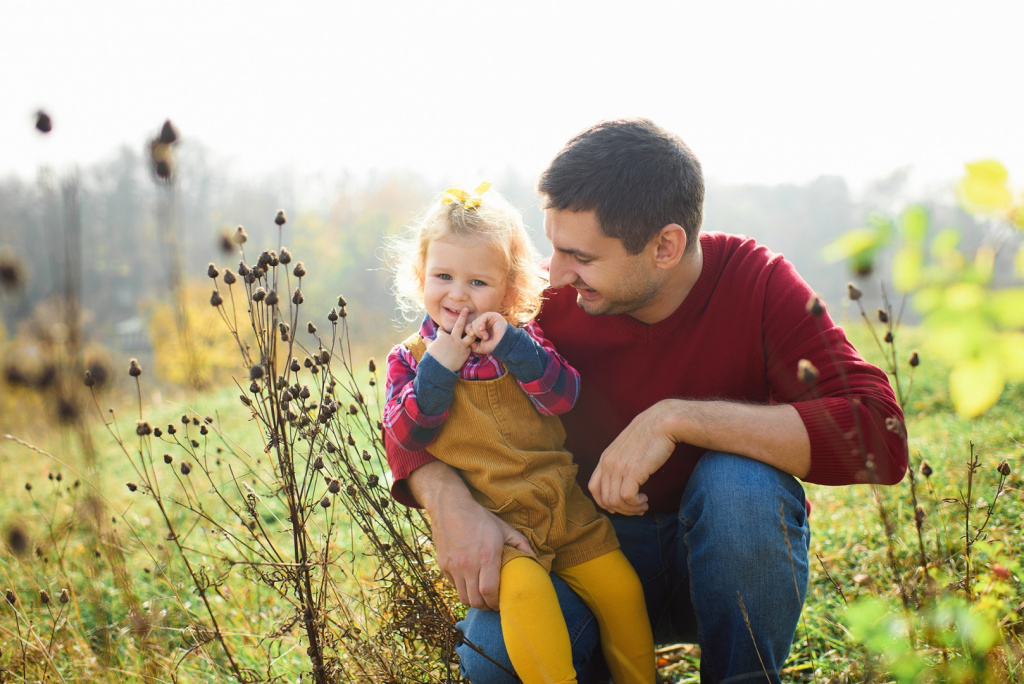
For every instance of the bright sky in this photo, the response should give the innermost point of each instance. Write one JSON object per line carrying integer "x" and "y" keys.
{"x": 762, "y": 91}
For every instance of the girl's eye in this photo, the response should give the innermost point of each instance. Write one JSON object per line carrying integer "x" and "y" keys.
{"x": 479, "y": 283}
{"x": 444, "y": 276}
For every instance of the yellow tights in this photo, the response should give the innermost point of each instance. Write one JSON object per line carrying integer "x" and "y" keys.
{"x": 535, "y": 632}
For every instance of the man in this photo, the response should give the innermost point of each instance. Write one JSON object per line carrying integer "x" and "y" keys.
{"x": 711, "y": 380}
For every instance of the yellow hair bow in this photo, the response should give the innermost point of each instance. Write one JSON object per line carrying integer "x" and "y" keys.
{"x": 469, "y": 200}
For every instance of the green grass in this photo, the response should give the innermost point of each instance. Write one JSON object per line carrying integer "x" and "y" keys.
{"x": 131, "y": 603}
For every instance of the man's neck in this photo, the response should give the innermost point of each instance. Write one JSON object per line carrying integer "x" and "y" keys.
{"x": 674, "y": 290}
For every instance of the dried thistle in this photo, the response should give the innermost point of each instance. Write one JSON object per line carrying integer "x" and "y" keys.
{"x": 883, "y": 316}
{"x": 815, "y": 307}
{"x": 853, "y": 292}
{"x": 215, "y": 299}
{"x": 926, "y": 469}
{"x": 915, "y": 359}
{"x": 280, "y": 218}
{"x": 1004, "y": 469}
{"x": 44, "y": 124}
{"x": 229, "y": 277}
{"x": 212, "y": 271}
{"x": 807, "y": 372}
{"x": 240, "y": 238}
{"x": 64, "y": 595}
{"x": 134, "y": 368}
{"x": 44, "y": 597}
{"x": 12, "y": 598}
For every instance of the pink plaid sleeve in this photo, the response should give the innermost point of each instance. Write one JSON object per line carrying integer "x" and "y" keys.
{"x": 403, "y": 421}
{"x": 556, "y": 390}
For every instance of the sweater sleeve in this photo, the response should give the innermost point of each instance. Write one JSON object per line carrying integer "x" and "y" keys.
{"x": 417, "y": 399}
{"x": 547, "y": 379}
{"x": 850, "y": 412}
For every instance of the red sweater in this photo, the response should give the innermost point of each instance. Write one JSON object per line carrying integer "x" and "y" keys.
{"x": 739, "y": 335}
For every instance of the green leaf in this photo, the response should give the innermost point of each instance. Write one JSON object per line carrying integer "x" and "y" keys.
{"x": 948, "y": 240}
{"x": 975, "y": 385}
{"x": 914, "y": 223}
{"x": 984, "y": 188}
{"x": 907, "y": 268}
{"x": 852, "y": 243}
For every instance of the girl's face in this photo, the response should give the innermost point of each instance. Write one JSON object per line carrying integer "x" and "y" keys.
{"x": 463, "y": 273}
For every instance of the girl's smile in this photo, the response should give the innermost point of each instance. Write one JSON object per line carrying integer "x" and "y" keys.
{"x": 463, "y": 273}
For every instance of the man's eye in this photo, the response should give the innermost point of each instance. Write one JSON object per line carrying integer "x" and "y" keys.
{"x": 580, "y": 260}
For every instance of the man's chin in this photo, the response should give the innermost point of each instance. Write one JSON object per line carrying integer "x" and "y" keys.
{"x": 594, "y": 307}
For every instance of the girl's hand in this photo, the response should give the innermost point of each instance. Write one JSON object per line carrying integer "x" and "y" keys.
{"x": 488, "y": 329}
{"x": 452, "y": 350}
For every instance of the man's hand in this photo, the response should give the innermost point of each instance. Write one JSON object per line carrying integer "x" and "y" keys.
{"x": 488, "y": 328}
{"x": 468, "y": 539}
{"x": 452, "y": 349}
{"x": 634, "y": 456}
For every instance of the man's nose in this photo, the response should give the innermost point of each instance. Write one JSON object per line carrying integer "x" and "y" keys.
{"x": 558, "y": 273}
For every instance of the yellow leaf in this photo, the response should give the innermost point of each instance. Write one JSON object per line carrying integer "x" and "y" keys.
{"x": 976, "y": 385}
{"x": 984, "y": 188}
{"x": 851, "y": 244}
{"x": 1011, "y": 350}
{"x": 907, "y": 267}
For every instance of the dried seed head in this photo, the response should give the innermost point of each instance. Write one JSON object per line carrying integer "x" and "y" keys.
{"x": 134, "y": 369}
{"x": 351, "y": 490}
{"x": 341, "y": 302}
{"x": 806, "y": 371}
{"x": 318, "y": 463}
{"x": 366, "y": 455}
{"x": 815, "y": 307}
{"x": 28, "y": 486}
{"x": 295, "y": 366}
{"x": 168, "y": 459}
{"x": 325, "y": 502}
{"x": 12, "y": 598}
{"x": 297, "y": 297}
{"x": 919, "y": 515}
{"x": 888, "y": 337}
{"x": 239, "y": 238}
{"x": 256, "y": 371}
{"x": 64, "y": 596}
{"x": 274, "y": 261}
{"x": 333, "y": 315}
{"x": 272, "y": 298}
{"x": 203, "y": 430}
{"x": 157, "y": 432}
{"x": 285, "y": 257}
{"x": 185, "y": 468}
{"x": 853, "y": 292}
{"x": 372, "y": 480}
{"x": 44, "y": 124}
{"x": 245, "y": 400}
{"x": 883, "y": 316}
{"x": 168, "y": 133}
{"x": 304, "y": 392}
{"x": 335, "y": 486}
{"x": 195, "y": 444}
{"x": 89, "y": 380}
{"x": 915, "y": 359}
{"x": 259, "y": 295}
{"x": 926, "y": 469}
{"x": 243, "y": 269}
{"x": 12, "y": 274}
{"x": 143, "y": 428}
{"x": 131, "y": 486}
{"x": 1004, "y": 469}
{"x": 280, "y": 218}
{"x": 330, "y": 447}
{"x": 373, "y": 366}
{"x": 212, "y": 271}
{"x": 299, "y": 270}
{"x": 258, "y": 272}
{"x": 18, "y": 540}
{"x": 325, "y": 356}
{"x": 44, "y": 597}
{"x": 264, "y": 259}
{"x": 229, "y": 277}
{"x": 171, "y": 429}
{"x": 215, "y": 299}
{"x": 254, "y": 387}
{"x": 350, "y": 439}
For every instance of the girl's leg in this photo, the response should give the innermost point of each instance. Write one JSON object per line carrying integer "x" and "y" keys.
{"x": 531, "y": 621}
{"x": 609, "y": 585}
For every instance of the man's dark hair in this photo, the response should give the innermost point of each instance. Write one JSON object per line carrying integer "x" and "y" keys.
{"x": 636, "y": 176}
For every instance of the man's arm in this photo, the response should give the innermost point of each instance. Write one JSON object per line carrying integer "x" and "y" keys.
{"x": 468, "y": 538}
{"x": 771, "y": 434}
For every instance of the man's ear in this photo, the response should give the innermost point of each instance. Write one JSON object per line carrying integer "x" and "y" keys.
{"x": 670, "y": 245}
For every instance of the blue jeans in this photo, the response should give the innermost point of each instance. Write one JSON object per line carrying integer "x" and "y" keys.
{"x": 729, "y": 572}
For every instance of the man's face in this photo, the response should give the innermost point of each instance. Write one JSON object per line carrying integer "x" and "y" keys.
{"x": 607, "y": 278}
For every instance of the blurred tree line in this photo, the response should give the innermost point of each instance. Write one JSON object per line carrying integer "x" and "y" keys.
{"x": 337, "y": 230}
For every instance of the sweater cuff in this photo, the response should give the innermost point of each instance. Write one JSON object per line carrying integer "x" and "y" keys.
{"x": 434, "y": 386}
{"x": 522, "y": 356}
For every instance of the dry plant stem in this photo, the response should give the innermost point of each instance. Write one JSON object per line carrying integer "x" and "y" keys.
{"x": 919, "y": 526}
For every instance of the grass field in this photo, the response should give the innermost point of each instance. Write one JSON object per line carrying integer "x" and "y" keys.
{"x": 94, "y": 555}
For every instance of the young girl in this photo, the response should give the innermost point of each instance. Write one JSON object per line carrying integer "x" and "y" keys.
{"x": 480, "y": 388}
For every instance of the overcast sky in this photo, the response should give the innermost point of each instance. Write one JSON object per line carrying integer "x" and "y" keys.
{"x": 767, "y": 91}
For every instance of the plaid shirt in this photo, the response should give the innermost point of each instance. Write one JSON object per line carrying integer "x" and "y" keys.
{"x": 554, "y": 392}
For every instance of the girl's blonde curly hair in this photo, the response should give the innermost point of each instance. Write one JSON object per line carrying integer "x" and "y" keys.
{"x": 493, "y": 219}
